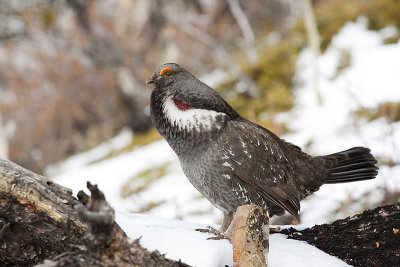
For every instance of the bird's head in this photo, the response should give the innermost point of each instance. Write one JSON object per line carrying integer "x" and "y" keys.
{"x": 173, "y": 82}
{"x": 167, "y": 74}
{"x": 184, "y": 108}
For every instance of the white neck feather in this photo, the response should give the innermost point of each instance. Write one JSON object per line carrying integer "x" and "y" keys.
{"x": 191, "y": 119}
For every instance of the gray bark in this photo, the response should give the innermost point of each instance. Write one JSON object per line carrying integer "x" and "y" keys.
{"x": 41, "y": 222}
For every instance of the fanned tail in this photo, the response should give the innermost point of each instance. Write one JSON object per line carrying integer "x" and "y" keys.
{"x": 354, "y": 164}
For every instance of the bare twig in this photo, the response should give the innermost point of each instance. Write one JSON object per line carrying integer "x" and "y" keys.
{"x": 313, "y": 41}
{"x": 3, "y": 140}
{"x": 245, "y": 27}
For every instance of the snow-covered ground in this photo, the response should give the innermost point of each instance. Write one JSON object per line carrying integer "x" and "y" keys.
{"x": 330, "y": 126}
{"x": 371, "y": 79}
{"x": 179, "y": 240}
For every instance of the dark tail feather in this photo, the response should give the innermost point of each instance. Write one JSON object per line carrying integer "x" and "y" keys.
{"x": 354, "y": 164}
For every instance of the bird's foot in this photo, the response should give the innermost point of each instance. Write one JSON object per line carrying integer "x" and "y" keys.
{"x": 274, "y": 229}
{"x": 210, "y": 230}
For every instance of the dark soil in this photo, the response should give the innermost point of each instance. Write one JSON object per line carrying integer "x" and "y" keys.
{"x": 368, "y": 239}
{"x": 28, "y": 236}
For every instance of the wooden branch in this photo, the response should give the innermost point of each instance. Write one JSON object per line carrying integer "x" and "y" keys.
{"x": 42, "y": 221}
{"x": 313, "y": 43}
{"x": 245, "y": 27}
{"x": 250, "y": 236}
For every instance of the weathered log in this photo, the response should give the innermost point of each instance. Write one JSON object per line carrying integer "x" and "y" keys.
{"x": 40, "y": 220}
{"x": 35, "y": 215}
{"x": 371, "y": 238}
{"x": 250, "y": 236}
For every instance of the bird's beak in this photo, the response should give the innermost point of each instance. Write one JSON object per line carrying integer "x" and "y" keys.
{"x": 149, "y": 81}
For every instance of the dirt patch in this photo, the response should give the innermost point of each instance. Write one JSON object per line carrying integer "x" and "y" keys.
{"x": 368, "y": 239}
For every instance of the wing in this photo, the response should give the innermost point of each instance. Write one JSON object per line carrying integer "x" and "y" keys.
{"x": 255, "y": 157}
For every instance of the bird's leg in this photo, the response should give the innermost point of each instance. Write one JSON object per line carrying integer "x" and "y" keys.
{"x": 227, "y": 234}
{"x": 226, "y": 222}
{"x": 225, "y": 231}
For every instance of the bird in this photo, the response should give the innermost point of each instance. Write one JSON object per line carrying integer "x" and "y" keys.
{"x": 232, "y": 161}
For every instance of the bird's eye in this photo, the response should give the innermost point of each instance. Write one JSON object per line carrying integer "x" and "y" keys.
{"x": 166, "y": 71}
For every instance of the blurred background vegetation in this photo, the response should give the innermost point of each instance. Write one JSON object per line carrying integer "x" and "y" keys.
{"x": 72, "y": 72}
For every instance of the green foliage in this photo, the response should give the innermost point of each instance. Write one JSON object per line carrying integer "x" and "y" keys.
{"x": 272, "y": 77}
{"x": 332, "y": 16}
{"x": 387, "y": 110}
{"x": 149, "y": 206}
{"x": 143, "y": 180}
{"x": 381, "y": 13}
{"x": 273, "y": 72}
{"x": 48, "y": 16}
{"x": 141, "y": 139}
{"x": 344, "y": 62}
{"x": 392, "y": 40}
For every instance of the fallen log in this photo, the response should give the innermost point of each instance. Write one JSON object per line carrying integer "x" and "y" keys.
{"x": 40, "y": 221}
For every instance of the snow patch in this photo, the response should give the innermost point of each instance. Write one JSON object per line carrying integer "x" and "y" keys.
{"x": 178, "y": 240}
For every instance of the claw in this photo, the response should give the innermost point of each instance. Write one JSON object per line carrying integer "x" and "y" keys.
{"x": 274, "y": 229}
{"x": 219, "y": 237}
{"x": 210, "y": 230}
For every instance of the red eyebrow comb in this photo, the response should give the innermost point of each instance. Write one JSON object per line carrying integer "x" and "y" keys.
{"x": 164, "y": 70}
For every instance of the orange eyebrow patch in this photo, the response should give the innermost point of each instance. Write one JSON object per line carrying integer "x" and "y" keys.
{"x": 164, "y": 70}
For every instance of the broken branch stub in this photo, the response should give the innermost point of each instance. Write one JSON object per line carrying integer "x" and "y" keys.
{"x": 250, "y": 236}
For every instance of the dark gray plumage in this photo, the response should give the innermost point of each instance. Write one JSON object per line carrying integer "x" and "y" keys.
{"x": 233, "y": 161}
